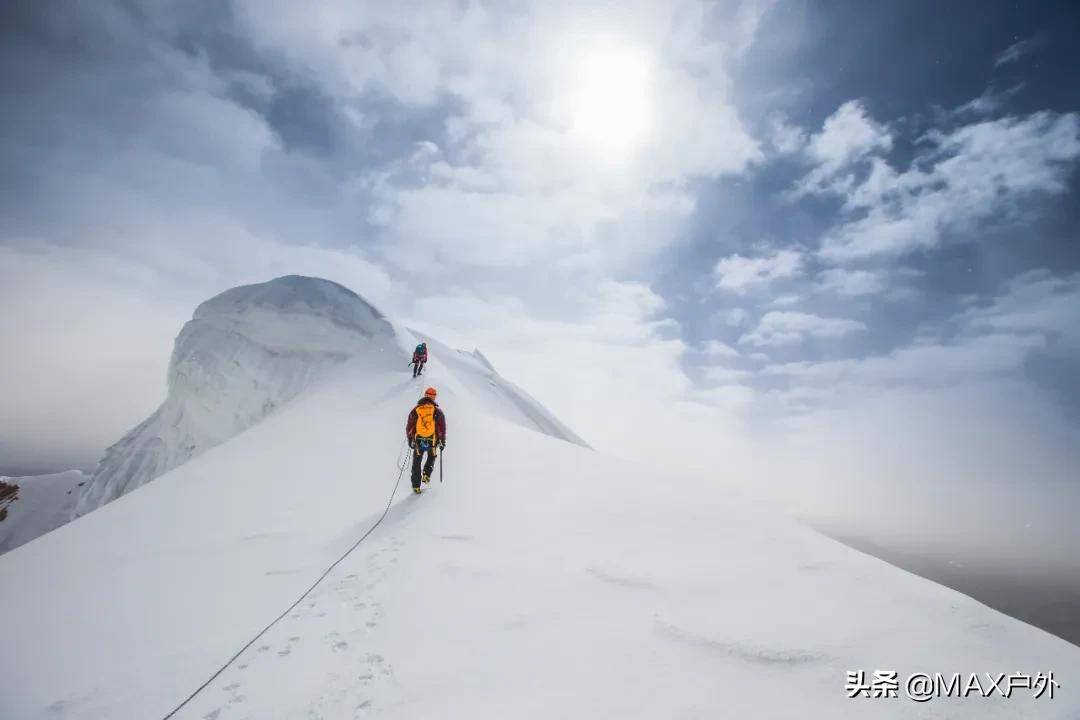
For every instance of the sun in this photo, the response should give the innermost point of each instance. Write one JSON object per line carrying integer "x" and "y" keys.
{"x": 610, "y": 104}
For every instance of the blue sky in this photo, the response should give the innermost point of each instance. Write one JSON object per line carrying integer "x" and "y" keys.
{"x": 686, "y": 228}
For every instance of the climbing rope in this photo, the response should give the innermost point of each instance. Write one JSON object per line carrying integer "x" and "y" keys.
{"x": 403, "y": 461}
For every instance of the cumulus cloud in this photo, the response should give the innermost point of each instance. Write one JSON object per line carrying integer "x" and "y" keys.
{"x": 852, "y": 282}
{"x": 967, "y": 176}
{"x": 740, "y": 274}
{"x": 715, "y": 348}
{"x": 785, "y": 137}
{"x": 848, "y": 136}
{"x": 780, "y": 328}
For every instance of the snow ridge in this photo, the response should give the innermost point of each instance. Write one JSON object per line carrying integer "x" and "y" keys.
{"x": 498, "y": 395}
{"x": 245, "y": 353}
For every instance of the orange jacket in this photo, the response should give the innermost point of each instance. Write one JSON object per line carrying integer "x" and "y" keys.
{"x": 440, "y": 421}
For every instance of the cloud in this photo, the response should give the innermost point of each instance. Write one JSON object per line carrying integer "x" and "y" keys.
{"x": 780, "y": 328}
{"x": 1035, "y": 312}
{"x": 721, "y": 375}
{"x": 989, "y": 102}
{"x": 847, "y": 137}
{"x": 786, "y": 138}
{"x": 511, "y": 184}
{"x": 717, "y": 349}
{"x": 852, "y": 282}
{"x": 1035, "y": 303}
{"x": 785, "y": 300}
{"x": 1014, "y": 52}
{"x": 739, "y": 274}
{"x": 736, "y": 317}
{"x": 510, "y": 74}
{"x": 968, "y": 176}
{"x": 922, "y": 364}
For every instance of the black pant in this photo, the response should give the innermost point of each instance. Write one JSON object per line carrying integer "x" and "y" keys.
{"x": 421, "y": 448}
{"x": 418, "y": 367}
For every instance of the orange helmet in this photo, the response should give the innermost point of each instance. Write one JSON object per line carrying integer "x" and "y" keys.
{"x": 430, "y": 392}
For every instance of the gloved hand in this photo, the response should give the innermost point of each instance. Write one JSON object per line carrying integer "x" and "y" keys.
{"x": 442, "y": 444}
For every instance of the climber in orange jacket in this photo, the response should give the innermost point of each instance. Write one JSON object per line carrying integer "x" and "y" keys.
{"x": 425, "y": 430}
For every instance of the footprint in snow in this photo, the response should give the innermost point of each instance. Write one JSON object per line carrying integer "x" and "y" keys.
{"x": 758, "y": 655}
{"x": 376, "y": 660}
{"x": 333, "y": 639}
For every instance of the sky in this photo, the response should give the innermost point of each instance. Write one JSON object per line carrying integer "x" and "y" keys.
{"x": 833, "y": 238}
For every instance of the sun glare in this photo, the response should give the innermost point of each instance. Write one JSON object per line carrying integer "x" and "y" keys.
{"x": 610, "y": 105}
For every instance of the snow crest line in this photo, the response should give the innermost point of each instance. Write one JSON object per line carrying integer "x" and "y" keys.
{"x": 230, "y": 661}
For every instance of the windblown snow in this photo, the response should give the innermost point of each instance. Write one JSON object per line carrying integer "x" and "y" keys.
{"x": 539, "y": 579}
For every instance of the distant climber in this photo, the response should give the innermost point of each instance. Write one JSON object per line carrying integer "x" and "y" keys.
{"x": 425, "y": 430}
{"x": 419, "y": 358}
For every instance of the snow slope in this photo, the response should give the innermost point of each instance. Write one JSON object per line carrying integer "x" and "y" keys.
{"x": 39, "y": 503}
{"x": 540, "y": 580}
